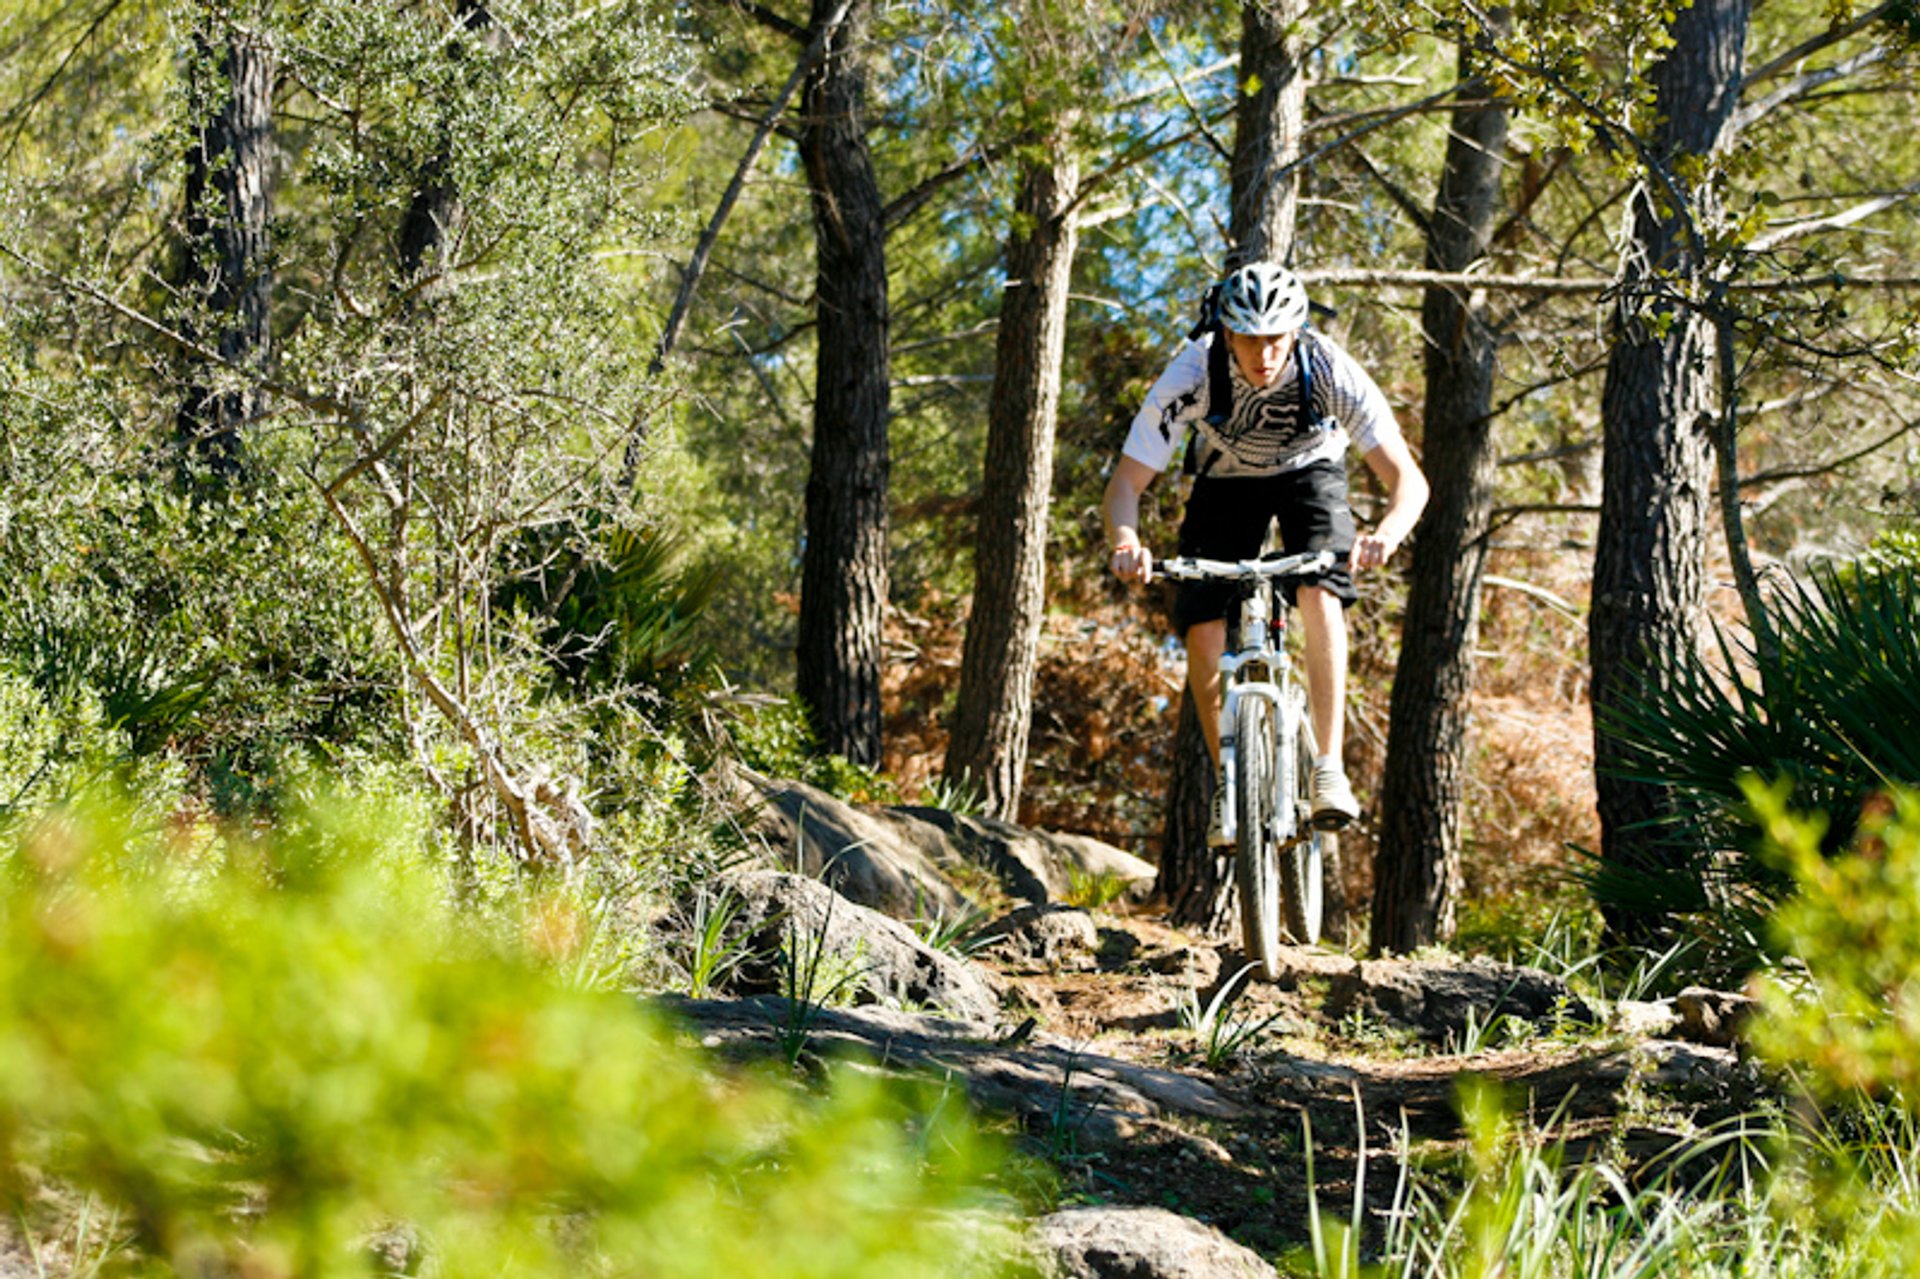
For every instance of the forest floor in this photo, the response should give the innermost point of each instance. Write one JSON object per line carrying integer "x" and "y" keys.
{"x": 1290, "y": 1102}
{"x": 1333, "y": 1106}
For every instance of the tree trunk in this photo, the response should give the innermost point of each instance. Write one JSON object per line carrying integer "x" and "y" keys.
{"x": 1266, "y": 139}
{"x": 1195, "y": 880}
{"x": 429, "y": 227}
{"x": 988, "y": 746}
{"x": 1657, "y": 408}
{"x": 226, "y": 268}
{"x": 1417, "y": 865}
{"x": 843, "y": 585}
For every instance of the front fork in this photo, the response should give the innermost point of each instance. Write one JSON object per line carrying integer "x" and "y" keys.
{"x": 1231, "y": 693}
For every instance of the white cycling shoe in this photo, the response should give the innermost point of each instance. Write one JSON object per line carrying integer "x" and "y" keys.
{"x": 1334, "y": 806}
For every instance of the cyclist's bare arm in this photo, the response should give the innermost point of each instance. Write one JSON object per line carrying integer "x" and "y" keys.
{"x": 1392, "y": 461}
{"x": 1129, "y": 560}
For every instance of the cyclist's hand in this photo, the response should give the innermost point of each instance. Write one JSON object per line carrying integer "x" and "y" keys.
{"x": 1131, "y": 562}
{"x": 1369, "y": 551}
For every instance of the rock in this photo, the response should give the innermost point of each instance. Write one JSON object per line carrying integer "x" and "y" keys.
{"x": 903, "y": 860}
{"x": 1083, "y": 1099}
{"x": 1638, "y": 1019}
{"x": 888, "y": 962}
{"x": 861, "y": 852}
{"x": 1035, "y": 866}
{"x": 1055, "y": 935}
{"x": 1200, "y": 965}
{"x": 1712, "y": 1017}
{"x": 1140, "y": 1243}
{"x": 1438, "y": 1000}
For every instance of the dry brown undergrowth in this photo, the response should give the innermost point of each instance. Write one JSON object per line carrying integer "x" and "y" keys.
{"x": 1106, "y": 703}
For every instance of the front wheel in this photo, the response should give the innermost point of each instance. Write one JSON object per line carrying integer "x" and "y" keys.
{"x": 1256, "y": 862}
{"x": 1303, "y": 863}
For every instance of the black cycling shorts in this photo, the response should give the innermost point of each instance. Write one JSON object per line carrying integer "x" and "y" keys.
{"x": 1227, "y": 519}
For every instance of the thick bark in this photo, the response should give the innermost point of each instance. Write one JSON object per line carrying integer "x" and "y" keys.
{"x": 843, "y": 585}
{"x": 226, "y": 264}
{"x": 1266, "y": 140}
{"x": 988, "y": 746}
{"x": 1417, "y": 865}
{"x": 1267, "y": 130}
{"x": 1657, "y": 409}
{"x": 1195, "y": 880}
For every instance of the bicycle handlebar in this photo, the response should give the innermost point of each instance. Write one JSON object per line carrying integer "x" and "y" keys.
{"x": 1189, "y": 568}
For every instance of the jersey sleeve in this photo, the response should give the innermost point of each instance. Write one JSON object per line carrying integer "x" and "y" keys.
{"x": 1353, "y": 397}
{"x": 1176, "y": 399}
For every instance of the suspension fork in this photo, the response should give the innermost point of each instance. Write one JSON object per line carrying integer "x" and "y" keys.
{"x": 1232, "y": 689}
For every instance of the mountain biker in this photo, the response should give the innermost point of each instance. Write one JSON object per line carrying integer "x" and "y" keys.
{"x": 1272, "y": 453}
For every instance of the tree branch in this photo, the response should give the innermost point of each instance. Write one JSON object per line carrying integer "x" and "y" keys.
{"x": 1804, "y": 84}
{"x": 769, "y": 19}
{"x": 1780, "y": 474}
{"x": 1826, "y": 39}
{"x": 1832, "y": 222}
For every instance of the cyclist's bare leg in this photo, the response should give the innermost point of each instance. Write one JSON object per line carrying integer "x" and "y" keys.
{"x": 1206, "y": 643}
{"x": 1323, "y": 623}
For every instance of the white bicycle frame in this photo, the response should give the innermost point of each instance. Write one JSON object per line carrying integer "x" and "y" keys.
{"x": 1257, "y": 650}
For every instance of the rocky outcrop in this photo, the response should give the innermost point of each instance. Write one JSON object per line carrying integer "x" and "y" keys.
{"x": 864, "y": 853}
{"x": 1712, "y": 1017}
{"x": 1439, "y": 1001}
{"x": 1033, "y": 865}
{"x": 1140, "y": 1243}
{"x": 905, "y": 861}
{"x": 879, "y": 958}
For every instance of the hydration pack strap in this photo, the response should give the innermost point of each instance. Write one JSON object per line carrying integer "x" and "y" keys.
{"x": 1220, "y": 391}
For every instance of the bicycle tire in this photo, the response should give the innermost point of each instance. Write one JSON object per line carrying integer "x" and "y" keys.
{"x": 1303, "y": 863}
{"x": 1256, "y": 862}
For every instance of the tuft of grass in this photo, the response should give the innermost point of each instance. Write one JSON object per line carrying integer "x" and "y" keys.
{"x": 1095, "y": 889}
{"x": 1220, "y": 1034}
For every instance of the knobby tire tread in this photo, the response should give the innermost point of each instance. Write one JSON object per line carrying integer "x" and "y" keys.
{"x": 1256, "y": 862}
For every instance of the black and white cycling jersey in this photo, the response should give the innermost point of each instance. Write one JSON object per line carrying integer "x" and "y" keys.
{"x": 1269, "y": 429}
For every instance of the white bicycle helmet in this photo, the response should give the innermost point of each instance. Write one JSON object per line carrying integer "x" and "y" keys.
{"x": 1263, "y": 299}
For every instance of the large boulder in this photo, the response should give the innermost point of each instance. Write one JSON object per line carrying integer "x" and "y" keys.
{"x": 879, "y": 958}
{"x": 1140, "y": 1243}
{"x": 904, "y": 861}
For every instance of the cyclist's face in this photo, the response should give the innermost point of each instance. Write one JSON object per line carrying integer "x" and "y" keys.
{"x": 1261, "y": 357}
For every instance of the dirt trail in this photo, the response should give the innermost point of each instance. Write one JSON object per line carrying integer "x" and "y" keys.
{"x": 1100, "y": 1065}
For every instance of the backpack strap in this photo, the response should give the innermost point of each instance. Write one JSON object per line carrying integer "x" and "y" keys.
{"x": 1220, "y": 391}
{"x": 1219, "y": 399}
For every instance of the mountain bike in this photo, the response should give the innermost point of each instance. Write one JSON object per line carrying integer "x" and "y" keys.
{"x": 1266, "y": 755}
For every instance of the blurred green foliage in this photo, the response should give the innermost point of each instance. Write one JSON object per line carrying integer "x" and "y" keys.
{"x": 1842, "y": 1019}
{"x": 274, "y": 1056}
{"x": 1852, "y": 1024}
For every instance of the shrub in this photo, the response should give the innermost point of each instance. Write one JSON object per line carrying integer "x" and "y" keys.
{"x": 268, "y": 1055}
{"x": 1835, "y": 712}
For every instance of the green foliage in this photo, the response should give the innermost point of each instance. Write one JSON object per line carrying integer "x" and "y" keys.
{"x": 1219, "y": 1031}
{"x": 621, "y": 617}
{"x": 771, "y": 736}
{"x": 1852, "y": 1025}
{"x": 715, "y": 947}
{"x": 1833, "y": 712}
{"x": 1094, "y": 889}
{"x": 270, "y": 1056}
